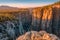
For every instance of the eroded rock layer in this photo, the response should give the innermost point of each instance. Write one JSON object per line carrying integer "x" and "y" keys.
{"x": 34, "y": 35}
{"x": 18, "y": 22}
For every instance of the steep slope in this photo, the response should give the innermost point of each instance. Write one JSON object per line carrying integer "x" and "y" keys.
{"x": 47, "y": 18}
{"x": 14, "y": 23}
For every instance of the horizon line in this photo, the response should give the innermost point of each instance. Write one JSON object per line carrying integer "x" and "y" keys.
{"x": 31, "y": 5}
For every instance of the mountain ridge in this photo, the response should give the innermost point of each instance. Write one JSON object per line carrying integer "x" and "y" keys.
{"x": 6, "y": 8}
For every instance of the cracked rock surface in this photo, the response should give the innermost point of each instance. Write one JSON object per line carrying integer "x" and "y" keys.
{"x": 34, "y": 35}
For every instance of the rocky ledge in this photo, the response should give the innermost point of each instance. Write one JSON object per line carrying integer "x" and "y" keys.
{"x": 34, "y": 35}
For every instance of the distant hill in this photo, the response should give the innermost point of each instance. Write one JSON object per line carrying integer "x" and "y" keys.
{"x": 4, "y": 8}
{"x": 20, "y": 20}
{"x": 8, "y": 8}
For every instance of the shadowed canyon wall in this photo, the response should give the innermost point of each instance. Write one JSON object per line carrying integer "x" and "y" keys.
{"x": 14, "y": 24}
{"x": 47, "y": 19}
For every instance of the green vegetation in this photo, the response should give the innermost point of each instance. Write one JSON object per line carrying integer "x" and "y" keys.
{"x": 7, "y": 17}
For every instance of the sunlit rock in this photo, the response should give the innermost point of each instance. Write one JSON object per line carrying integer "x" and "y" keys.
{"x": 34, "y": 35}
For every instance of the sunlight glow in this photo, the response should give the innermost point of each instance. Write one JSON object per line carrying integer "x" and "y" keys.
{"x": 20, "y": 5}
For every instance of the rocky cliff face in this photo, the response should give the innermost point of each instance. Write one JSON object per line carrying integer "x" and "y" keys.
{"x": 47, "y": 18}
{"x": 16, "y": 23}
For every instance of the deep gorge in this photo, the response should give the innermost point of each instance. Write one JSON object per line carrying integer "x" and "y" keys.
{"x": 14, "y": 24}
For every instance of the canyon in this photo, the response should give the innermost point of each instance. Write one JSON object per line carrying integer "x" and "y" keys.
{"x": 16, "y": 22}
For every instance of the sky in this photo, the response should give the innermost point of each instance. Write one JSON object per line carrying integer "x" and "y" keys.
{"x": 26, "y": 3}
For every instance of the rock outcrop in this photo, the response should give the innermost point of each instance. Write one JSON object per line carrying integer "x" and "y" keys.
{"x": 34, "y": 35}
{"x": 19, "y": 22}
